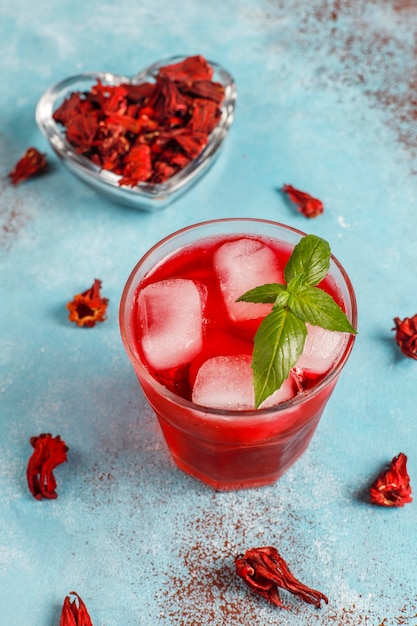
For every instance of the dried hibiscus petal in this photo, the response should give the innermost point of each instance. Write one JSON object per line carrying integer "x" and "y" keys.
{"x": 74, "y": 613}
{"x": 264, "y": 571}
{"x": 207, "y": 89}
{"x": 406, "y": 335}
{"x": 138, "y": 165}
{"x": 82, "y": 130}
{"x": 48, "y": 453}
{"x": 31, "y": 164}
{"x": 205, "y": 116}
{"x": 392, "y": 487}
{"x": 188, "y": 70}
{"x": 88, "y": 308}
{"x": 167, "y": 99}
{"x": 307, "y": 205}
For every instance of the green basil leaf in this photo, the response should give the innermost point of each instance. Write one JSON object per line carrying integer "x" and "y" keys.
{"x": 280, "y": 339}
{"x": 265, "y": 294}
{"x": 315, "y": 306}
{"x": 309, "y": 262}
{"x": 279, "y": 343}
{"x": 295, "y": 285}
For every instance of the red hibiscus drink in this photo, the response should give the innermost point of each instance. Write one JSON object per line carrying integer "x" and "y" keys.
{"x": 191, "y": 343}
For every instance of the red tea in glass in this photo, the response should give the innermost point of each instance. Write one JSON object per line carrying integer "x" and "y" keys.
{"x": 191, "y": 344}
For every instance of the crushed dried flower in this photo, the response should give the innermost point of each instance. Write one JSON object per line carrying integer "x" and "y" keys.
{"x": 145, "y": 132}
{"x": 264, "y": 571}
{"x": 48, "y": 453}
{"x": 392, "y": 487}
{"x": 88, "y": 308}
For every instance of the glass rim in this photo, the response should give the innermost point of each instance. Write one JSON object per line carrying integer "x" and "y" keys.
{"x": 124, "y": 312}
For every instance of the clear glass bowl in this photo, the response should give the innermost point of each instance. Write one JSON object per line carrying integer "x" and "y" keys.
{"x": 144, "y": 195}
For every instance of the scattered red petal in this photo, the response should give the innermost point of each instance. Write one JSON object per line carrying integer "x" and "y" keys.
{"x": 406, "y": 335}
{"x": 88, "y": 308}
{"x": 392, "y": 488}
{"x": 31, "y": 164}
{"x": 48, "y": 453}
{"x": 307, "y": 205}
{"x": 264, "y": 571}
{"x": 74, "y": 613}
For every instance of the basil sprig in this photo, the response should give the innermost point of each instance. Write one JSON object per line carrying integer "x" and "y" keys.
{"x": 281, "y": 335}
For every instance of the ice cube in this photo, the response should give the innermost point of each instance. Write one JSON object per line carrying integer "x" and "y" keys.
{"x": 287, "y": 391}
{"x": 321, "y": 349}
{"x": 226, "y": 382}
{"x": 242, "y": 265}
{"x": 171, "y": 318}
{"x": 219, "y": 343}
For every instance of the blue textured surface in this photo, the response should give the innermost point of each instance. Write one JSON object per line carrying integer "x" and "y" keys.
{"x": 325, "y": 103}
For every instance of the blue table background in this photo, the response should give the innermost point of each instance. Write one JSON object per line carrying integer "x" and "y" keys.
{"x": 326, "y": 102}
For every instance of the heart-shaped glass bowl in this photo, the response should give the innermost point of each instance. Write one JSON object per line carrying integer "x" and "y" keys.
{"x": 144, "y": 195}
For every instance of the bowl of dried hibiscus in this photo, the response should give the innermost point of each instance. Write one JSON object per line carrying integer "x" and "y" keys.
{"x": 143, "y": 140}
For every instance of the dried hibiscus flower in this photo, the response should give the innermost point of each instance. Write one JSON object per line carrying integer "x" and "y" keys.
{"x": 88, "y": 308}
{"x": 307, "y": 205}
{"x": 145, "y": 132}
{"x": 31, "y": 164}
{"x": 264, "y": 571}
{"x": 392, "y": 487}
{"x": 48, "y": 453}
{"x": 406, "y": 335}
{"x": 74, "y": 613}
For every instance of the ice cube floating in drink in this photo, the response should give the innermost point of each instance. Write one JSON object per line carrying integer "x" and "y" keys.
{"x": 191, "y": 343}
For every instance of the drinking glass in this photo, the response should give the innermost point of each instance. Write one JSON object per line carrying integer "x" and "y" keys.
{"x": 230, "y": 449}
